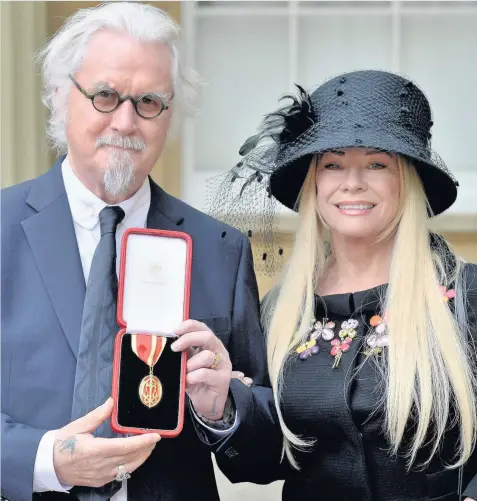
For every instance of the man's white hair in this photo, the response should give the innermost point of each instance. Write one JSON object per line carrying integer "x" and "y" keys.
{"x": 65, "y": 52}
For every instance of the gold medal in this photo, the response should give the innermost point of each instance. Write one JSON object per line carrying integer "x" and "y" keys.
{"x": 149, "y": 348}
{"x": 150, "y": 390}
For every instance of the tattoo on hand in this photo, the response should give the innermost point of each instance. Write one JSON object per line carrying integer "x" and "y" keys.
{"x": 214, "y": 406}
{"x": 68, "y": 445}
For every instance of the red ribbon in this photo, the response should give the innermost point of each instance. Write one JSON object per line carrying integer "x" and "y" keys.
{"x": 148, "y": 347}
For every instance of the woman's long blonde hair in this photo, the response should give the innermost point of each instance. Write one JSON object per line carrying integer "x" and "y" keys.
{"x": 427, "y": 371}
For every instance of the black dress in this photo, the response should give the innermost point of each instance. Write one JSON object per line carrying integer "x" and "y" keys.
{"x": 337, "y": 406}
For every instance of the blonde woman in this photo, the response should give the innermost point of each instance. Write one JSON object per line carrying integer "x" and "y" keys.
{"x": 371, "y": 331}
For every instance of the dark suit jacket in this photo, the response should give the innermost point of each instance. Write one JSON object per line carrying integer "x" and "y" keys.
{"x": 42, "y": 299}
{"x": 350, "y": 460}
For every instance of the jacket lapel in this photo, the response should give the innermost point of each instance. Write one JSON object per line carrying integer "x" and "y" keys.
{"x": 164, "y": 213}
{"x": 51, "y": 235}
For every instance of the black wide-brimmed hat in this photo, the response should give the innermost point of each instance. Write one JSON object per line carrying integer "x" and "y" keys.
{"x": 362, "y": 109}
{"x": 369, "y": 109}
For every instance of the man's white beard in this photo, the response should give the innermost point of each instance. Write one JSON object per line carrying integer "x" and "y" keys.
{"x": 119, "y": 175}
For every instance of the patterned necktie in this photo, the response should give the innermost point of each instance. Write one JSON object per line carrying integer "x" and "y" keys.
{"x": 98, "y": 330}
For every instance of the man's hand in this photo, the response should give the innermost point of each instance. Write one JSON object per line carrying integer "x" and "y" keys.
{"x": 81, "y": 459}
{"x": 208, "y": 369}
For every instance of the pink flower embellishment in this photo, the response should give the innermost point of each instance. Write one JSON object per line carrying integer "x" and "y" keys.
{"x": 339, "y": 347}
{"x": 448, "y": 294}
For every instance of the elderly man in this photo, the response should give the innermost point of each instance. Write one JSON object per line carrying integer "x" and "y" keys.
{"x": 113, "y": 83}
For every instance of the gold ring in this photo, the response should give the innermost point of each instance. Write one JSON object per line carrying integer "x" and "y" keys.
{"x": 216, "y": 361}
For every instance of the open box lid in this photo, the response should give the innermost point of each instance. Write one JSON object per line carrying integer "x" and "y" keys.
{"x": 154, "y": 281}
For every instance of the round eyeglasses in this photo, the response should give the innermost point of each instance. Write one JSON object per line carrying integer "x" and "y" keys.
{"x": 106, "y": 100}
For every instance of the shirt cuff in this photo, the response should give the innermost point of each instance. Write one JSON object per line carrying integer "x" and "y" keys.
{"x": 215, "y": 431}
{"x": 44, "y": 474}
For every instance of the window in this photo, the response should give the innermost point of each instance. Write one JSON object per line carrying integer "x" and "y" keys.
{"x": 251, "y": 53}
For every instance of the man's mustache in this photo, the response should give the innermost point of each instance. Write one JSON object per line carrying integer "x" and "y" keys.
{"x": 126, "y": 142}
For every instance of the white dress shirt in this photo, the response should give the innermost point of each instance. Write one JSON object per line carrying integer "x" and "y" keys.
{"x": 85, "y": 208}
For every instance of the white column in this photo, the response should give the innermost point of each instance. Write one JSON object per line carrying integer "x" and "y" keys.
{"x": 23, "y": 144}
